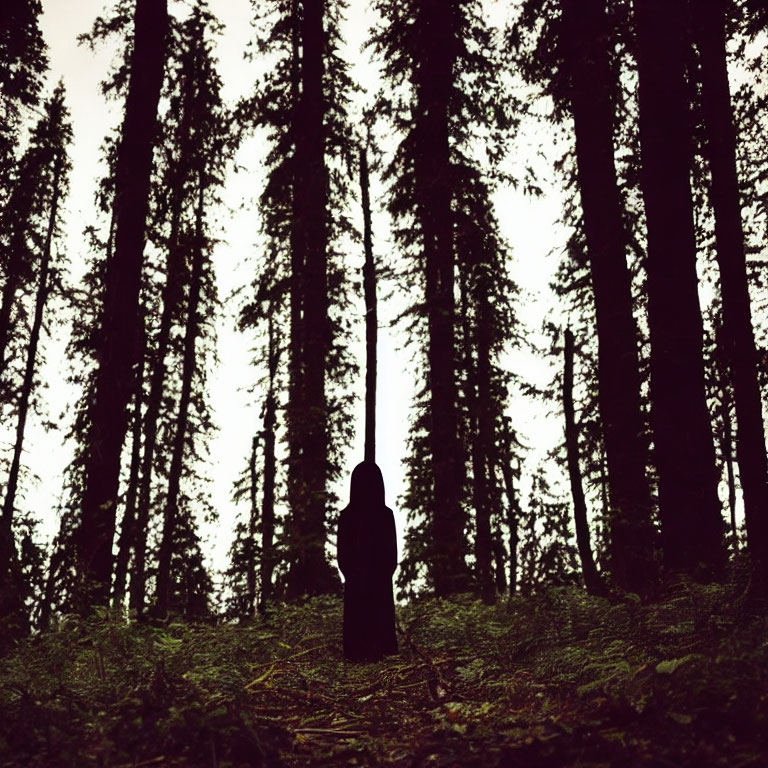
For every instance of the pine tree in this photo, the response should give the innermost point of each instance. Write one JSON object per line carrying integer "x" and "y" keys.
{"x": 440, "y": 60}
{"x": 117, "y": 343}
{"x": 581, "y": 56}
{"x": 43, "y": 177}
{"x": 23, "y": 62}
{"x": 588, "y": 568}
{"x": 548, "y": 556}
{"x": 737, "y": 333}
{"x": 181, "y": 341}
{"x": 303, "y": 102}
{"x": 49, "y": 175}
{"x": 684, "y": 450}
{"x": 586, "y": 40}
{"x": 199, "y": 253}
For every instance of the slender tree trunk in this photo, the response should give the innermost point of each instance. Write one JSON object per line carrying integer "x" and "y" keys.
{"x": 268, "y": 497}
{"x": 738, "y": 335}
{"x": 13, "y": 616}
{"x": 692, "y": 525}
{"x": 45, "y": 607}
{"x": 728, "y": 459}
{"x": 483, "y": 438}
{"x": 189, "y": 366}
{"x": 433, "y": 79}
{"x": 591, "y": 577}
{"x": 514, "y": 513}
{"x": 171, "y": 289}
{"x": 116, "y": 349}
{"x": 499, "y": 563}
{"x": 371, "y": 315}
{"x": 585, "y": 46}
{"x": 128, "y": 526}
{"x": 253, "y": 519}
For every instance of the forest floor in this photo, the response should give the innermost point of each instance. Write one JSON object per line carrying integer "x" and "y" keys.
{"x": 559, "y": 680}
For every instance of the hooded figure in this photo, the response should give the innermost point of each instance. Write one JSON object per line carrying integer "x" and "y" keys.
{"x": 367, "y": 554}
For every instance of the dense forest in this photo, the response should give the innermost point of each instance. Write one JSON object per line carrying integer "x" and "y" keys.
{"x": 621, "y": 623}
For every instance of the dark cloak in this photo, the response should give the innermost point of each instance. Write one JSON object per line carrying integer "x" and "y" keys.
{"x": 367, "y": 554}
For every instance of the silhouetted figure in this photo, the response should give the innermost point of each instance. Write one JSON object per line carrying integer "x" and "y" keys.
{"x": 367, "y": 554}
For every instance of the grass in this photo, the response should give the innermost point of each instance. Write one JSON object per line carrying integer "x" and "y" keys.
{"x": 556, "y": 679}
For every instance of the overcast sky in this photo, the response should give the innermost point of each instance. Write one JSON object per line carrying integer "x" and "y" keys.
{"x": 529, "y": 225}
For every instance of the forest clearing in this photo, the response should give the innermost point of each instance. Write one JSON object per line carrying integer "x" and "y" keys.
{"x": 555, "y": 680}
{"x": 588, "y": 595}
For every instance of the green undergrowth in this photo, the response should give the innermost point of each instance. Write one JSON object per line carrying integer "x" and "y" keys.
{"x": 558, "y": 679}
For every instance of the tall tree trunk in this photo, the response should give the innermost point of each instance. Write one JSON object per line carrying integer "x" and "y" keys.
{"x": 499, "y": 564}
{"x": 295, "y": 407}
{"x": 45, "y": 606}
{"x": 117, "y": 342}
{"x": 727, "y": 449}
{"x": 128, "y": 526}
{"x": 692, "y": 525}
{"x": 514, "y": 513}
{"x": 34, "y": 339}
{"x": 483, "y": 438}
{"x": 737, "y": 332}
{"x": 170, "y": 299}
{"x": 268, "y": 497}
{"x": 585, "y": 47}
{"x": 310, "y": 572}
{"x": 591, "y": 577}
{"x": 189, "y": 366}
{"x": 253, "y": 520}
{"x": 371, "y": 315}
{"x": 434, "y": 77}
{"x": 174, "y": 268}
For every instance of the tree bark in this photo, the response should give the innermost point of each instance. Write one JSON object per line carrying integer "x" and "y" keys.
{"x": 737, "y": 331}
{"x": 591, "y": 577}
{"x": 692, "y": 525}
{"x": 499, "y": 564}
{"x": 310, "y": 572}
{"x": 116, "y": 347}
{"x": 295, "y": 407}
{"x": 371, "y": 315}
{"x": 585, "y": 49}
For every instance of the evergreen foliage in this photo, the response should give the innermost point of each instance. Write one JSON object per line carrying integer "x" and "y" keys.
{"x": 447, "y": 235}
{"x": 284, "y": 288}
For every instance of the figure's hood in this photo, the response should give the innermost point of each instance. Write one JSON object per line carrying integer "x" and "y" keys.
{"x": 367, "y": 486}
